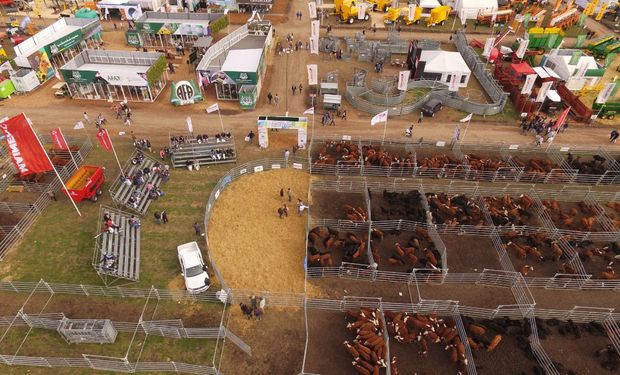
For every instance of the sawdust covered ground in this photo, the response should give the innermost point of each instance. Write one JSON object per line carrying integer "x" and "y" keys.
{"x": 252, "y": 247}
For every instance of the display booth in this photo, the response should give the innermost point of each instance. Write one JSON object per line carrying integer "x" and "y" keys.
{"x": 184, "y": 93}
{"x": 125, "y": 10}
{"x": 280, "y": 122}
{"x": 116, "y": 75}
{"x": 161, "y": 30}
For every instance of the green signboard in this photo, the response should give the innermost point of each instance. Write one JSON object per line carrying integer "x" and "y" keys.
{"x": 247, "y": 100}
{"x": 133, "y": 38}
{"x": 66, "y": 42}
{"x": 78, "y": 76}
{"x": 243, "y": 78}
{"x": 580, "y": 39}
{"x": 184, "y": 93}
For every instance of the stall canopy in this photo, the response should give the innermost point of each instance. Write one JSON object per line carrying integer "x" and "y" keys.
{"x": 522, "y": 68}
{"x": 176, "y": 23}
{"x": 86, "y": 13}
{"x": 129, "y": 10}
{"x": 469, "y": 9}
{"x": 241, "y": 65}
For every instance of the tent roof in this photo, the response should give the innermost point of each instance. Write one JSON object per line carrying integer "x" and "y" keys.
{"x": 588, "y": 60}
{"x": 242, "y": 60}
{"x": 444, "y": 62}
{"x": 522, "y": 68}
{"x": 429, "y": 4}
{"x": 480, "y": 4}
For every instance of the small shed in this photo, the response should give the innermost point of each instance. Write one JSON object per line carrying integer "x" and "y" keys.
{"x": 470, "y": 9}
{"x": 441, "y": 65}
{"x": 88, "y": 331}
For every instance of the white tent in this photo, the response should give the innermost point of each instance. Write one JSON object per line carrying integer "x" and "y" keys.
{"x": 469, "y": 9}
{"x": 560, "y": 64}
{"x": 440, "y": 65}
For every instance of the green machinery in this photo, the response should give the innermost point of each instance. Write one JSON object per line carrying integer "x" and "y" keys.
{"x": 603, "y": 46}
{"x": 545, "y": 38}
{"x": 607, "y": 110}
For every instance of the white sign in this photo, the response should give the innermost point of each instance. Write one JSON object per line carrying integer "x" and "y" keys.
{"x": 530, "y": 79}
{"x": 297, "y": 166}
{"x": 593, "y": 117}
{"x": 275, "y": 166}
{"x": 513, "y": 147}
{"x": 217, "y": 194}
{"x": 522, "y": 48}
{"x": 213, "y": 108}
{"x": 605, "y": 93}
{"x": 581, "y": 69}
{"x": 403, "y": 79}
{"x": 488, "y": 46}
{"x": 313, "y": 74}
{"x": 440, "y": 144}
{"x": 315, "y": 28}
{"x": 455, "y": 81}
{"x": 190, "y": 126}
{"x": 542, "y": 93}
{"x": 411, "y": 12}
{"x": 346, "y": 137}
{"x": 314, "y": 45}
{"x": 361, "y": 11}
{"x": 243, "y": 171}
{"x": 312, "y": 9}
{"x": 258, "y": 168}
{"x": 564, "y": 149}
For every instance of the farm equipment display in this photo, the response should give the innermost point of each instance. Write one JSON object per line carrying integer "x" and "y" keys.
{"x": 603, "y": 46}
{"x": 438, "y": 16}
{"x": 85, "y": 183}
{"x": 545, "y": 38}
{"x": 502, "y": 16}
{"x": 380, "y": 5}
{"x": 394, "y": 15}
{"x": 348, "y": 12}
{"x": 607, "y": 110}
{"x": 566, "y": 19}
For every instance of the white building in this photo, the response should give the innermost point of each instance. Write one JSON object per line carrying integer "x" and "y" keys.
{"x": 470, "y": 9}
{"x": 441, "y": 65}
{"x": 582, "y": 72}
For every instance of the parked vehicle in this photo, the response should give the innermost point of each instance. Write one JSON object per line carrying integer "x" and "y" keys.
{"x": 438, "y": 16}
{"x": 193, "y": 268}
{"x": 607, "y": 111}
{"x": 380, "y": 5}
{"x": 431, "y": 107}
{"x": 85, "y": 183}
{"x": 394, "y": 15}
{"x": 347, "y": 10}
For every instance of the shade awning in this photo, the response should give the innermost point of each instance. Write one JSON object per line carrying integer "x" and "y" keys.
{"x": 553, "y": 96}
{"x": 523, "y": 68}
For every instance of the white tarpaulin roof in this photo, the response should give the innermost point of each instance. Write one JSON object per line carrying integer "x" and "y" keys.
{"x": 479, "y": 4}
{"x": 444, "y": 62}
{"x": 542, "y": 72}
{"x": 553, "y": 96}
{"x": 242, "y": 60}
{"x": 588, "y": 60}
{"x": 429, "y": 4}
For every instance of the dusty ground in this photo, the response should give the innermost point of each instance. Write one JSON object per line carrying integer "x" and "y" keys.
{"x": 480, "y": 296}
{"x": 470, "y": 253}
{"x": 247, "y": 238}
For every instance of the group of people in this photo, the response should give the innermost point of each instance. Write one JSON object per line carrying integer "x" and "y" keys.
{"x": 294, "y": 88}
{"x": 123, "y": 112}
{"x": 256, "y": 307}
{"x": 283, "y": 210}
{"x": 161, "y": 217}
{"x": 109, "y": 224}
{"x": 329, "y": 118}
{"x": 142, "y": 144}
{"x": 178, "y": 141}
{"x": 542, "y": 126}
{"x": 273, "y": 99}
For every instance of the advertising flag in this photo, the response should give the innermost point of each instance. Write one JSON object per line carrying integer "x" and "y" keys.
{"x": 361, "y": 11}
{"x": 467, "y": 118}
{"x": 313, "y": 74}
{"x": 522, "y": 48}
{"x": 381, "y": 117}
{"x": 314, "y": 27}
{"x": 610, "y": 58}
{"x": 574, "y": 59}
{"x": 26, "y": 152}
{"x": 526, "y": 20}
{"x": 601, "y": 12}
{"x": 562, "y": 119}
{"x": 581, "y": 69}
{"x": 403, "y": 79}
{"x": 312, "y": 9}
{"x": 605, "y": 93}
{"x": 395, "y": 3}
{"x": 455, "y": 80}
{"x": 411, "y": 12}
{"x": 580, "y": 39}
{"x": 78, "y": 125}
{"x": 582, "y": 19}
{"x": 488, "y": 46}
{"x": 190, "y": 126}
{"x": 530, "y": 79}
{"x": 314, "y": 45}
{"x": 309, "y": 111}
{"x": 212, "y": 108}
{"x": 542, "y": 93}
{"x": 59, "y": 139}
{"x": 104, "y": 139}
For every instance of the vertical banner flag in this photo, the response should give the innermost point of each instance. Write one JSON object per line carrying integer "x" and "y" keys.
{"x": 493, "y": 18}
{"x": 411, "y": 12}
{"x": 313, "y": 74}
{"x": 212, "y": 108}
{"x": 455, "y": 80}
{"x": 312, "y": 9}
{"x": 395, "y": 3}
{"x": 59, "y": 139}
{"x": 190, "y": 126}
{"x": 314, "y": 45}
{"x": 530, "y": 79}
{"x": 610, "y": 58}
{"x": 562, "y": 119}
{"x": 526, "y": 20}
{"x": 605, "y": 93}
{"x": 488, "y": 46}
{"x": 309, "y": 111}
{"x": 314, "y": 27}
{"x": 574, "y": 59}
{"x": 26, "y": 152}
{"x": 361, "y": 11}
{"x": 522, "y": 48}
{"x": 580, "y": 39}
{"x": 78, "y": 125}
{"x": 601, "y": 12}
{"x": 582, "y": 19}
{"x": 581, "y": 69}
{"x": 542, "y": 93}
{"x": 104, "y": 139}
{"x": 467, "y": 118}
{"x": 381, "y": 117}
{"x": 403, "y": 79}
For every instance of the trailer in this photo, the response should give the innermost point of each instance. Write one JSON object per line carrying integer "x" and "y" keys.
{"x": 603, "y": 46}
{"x": 606, "y": 110}
{"x": 85, "y": 183}
{"x": 545, "y": 38}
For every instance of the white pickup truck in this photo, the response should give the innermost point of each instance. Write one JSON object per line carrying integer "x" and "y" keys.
{"x": 194, "y": 270}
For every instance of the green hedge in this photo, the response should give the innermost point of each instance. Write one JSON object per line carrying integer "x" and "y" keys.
{"x": 218, "y": 24}
{"x": 154, "y": 73}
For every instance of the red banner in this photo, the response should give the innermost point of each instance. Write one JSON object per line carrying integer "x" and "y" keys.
{"x": 59, "y": 139}
{"x": 26, "y": 151}
{"x": 104, "y": 139}
{"x": 562, "y": 119}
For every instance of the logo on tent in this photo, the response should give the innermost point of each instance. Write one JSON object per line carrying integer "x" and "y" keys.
{"x": 184, "y": 90}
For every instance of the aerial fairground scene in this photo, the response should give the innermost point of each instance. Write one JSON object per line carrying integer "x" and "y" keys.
{"x": 310, "y": 187}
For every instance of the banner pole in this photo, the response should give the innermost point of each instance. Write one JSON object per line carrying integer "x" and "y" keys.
{"x": 53, "y": 167}
{"x": 69, "y": 149}
{"x": 115, "y": 155}
{"x": 465, "y": 132}
{"x": 220, "y": 116}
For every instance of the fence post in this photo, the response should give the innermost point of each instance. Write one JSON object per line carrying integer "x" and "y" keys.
{"x": 84, "y": 290}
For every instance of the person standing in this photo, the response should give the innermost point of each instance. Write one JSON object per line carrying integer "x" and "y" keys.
{"x": 86, "y": 118}
{"x": 421, "y": 117}
{"x": 289, "y": 194}
{"x": 613, "y": 137}
{"x": 282, "y": 194}
{"x": 164, "y": 217}
{"x": 287, "y": 153}
{"x": 246, "y": 310}
{"x": 276, "y": 100}
{"x": 344, "y": 114}
{"x": 293, "y": 88}
{"x": 301, "y": 87}
{"x": 258, "y": 313}
{"x": 539, "y": 139}
{"x": 261, "y": 304}
{"x": 197, "y": 228}
{"x": 457, "y": 134}
{"x": 285, "y": 209}
{"x": 269, "y": 97}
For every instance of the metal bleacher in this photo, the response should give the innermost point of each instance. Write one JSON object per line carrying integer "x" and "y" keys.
{"x": 121, "y": 192}
{"x": 206, "y": 153}
{"x": 125, "y": 246}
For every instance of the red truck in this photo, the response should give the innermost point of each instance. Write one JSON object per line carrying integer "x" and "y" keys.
{"x": 85, "y": 183}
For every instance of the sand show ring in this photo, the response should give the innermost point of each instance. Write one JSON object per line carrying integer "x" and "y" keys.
{"x": 253, "y": 248}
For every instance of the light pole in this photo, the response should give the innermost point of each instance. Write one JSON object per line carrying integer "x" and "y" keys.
{"x": 288, "y": 52}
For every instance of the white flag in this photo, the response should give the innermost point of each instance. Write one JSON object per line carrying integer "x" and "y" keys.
{"x": 522, "y": 48}
{"x": 403, "y": 79}
{"x": 57, "y": 75}
{"x": 225, "y": 11}
{"x": 314, "y": 45}
{"x": 488, "y": 46}
{"x": 455, "y": 82}
{"x": 213, "y": 108}
{"x": 467, "y": 118}
{"x": 79, "y": 125}
{"x": 381, "y": 117}
{"x": 581, "y": 69}
{"x": 542, "y": 93}
{"x": 190, "y": 126}
{"x": 605, "y": 93}
{"x": 312, "y": 9}
{"x": 314, "y": 28}
{"x": 530, "y": 79}
{"x": 361, "y": 11}
{"x": 309, "y": 111}
{"x": 313, "y": 74}
{"x": 411, "y": 12}
{"x": 493, "y": 18}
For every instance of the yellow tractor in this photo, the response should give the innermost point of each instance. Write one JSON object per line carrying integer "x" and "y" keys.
{"x": 438, "y": 16}
{"x": 347, "y": 10}
{"x": 380, "y": 5}
{"x": 394, "y": 15}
